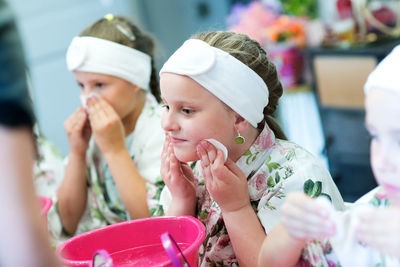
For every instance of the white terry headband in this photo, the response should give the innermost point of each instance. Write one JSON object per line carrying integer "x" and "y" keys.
{"x": 91, "y": 54}
{"x": 386, "y": 74}
{"x": 223, "y": 75}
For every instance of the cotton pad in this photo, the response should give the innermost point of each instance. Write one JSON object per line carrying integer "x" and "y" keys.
{"x": 84, "y": 99}
{"x": 220, "y": 146}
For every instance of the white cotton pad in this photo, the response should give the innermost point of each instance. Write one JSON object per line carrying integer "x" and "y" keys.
{"x": 84, "y": 99}
{"x": 220, "y": 146}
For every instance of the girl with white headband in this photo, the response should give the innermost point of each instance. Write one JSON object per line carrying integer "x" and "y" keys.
{"x": 115, "y": 136}
{"x": 368, "y": 234}
{"x": 219, "y": 90}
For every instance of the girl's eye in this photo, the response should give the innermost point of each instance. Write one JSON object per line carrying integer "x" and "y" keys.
{"x": 99, "y": 85}
{"x": 165, "y": 106}
{"x": 80, "y": 85}
{"x": 187, "y": 111}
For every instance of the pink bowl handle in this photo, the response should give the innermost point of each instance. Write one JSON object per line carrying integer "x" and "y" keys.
{"x": 172, "y": 249}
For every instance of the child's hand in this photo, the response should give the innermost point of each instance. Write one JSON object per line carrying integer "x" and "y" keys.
{"x": 78, "y": 131}
{"x": 106, "y": 125}
{"x": 380, "y": 228}
{"x": 305, "y": 219}
{"x": 178, "y": 176}
{"x": 225, "y": 182}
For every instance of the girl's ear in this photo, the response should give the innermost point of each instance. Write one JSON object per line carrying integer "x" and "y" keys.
{"x": 241, "y": 124}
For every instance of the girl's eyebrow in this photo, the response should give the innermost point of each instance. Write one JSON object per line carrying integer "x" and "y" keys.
{"x": 181, "y": 102}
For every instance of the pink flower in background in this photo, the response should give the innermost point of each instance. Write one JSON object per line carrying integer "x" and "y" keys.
{"x": 251, "y": 19}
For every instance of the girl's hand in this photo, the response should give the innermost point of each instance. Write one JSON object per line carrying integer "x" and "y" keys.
{"x": 178, "y": 176}
{"x": 380, "y": 228}
{"x": 78, "y": 131}
{"x": 225, "y": 182}
{"x": 106, "y": 125}
{"x": 305, "y": 219}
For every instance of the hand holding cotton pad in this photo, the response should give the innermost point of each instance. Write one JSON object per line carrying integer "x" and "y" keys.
{"x": 219, "y": 145}
{"x": 85, "y": 98}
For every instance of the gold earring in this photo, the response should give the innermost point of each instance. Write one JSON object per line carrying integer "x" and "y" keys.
{"x": 239, "y": 139}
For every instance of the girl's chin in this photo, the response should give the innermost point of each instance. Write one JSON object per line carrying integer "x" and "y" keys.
{"x": 186, "y": 157}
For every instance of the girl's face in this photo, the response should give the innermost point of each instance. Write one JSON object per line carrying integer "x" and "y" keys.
{"x": 119, "y": 93}
{"x": 192, "y": 114}
{"x": 383, "y": 123}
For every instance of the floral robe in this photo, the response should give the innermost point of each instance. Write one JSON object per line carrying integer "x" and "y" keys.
{"x": 104, "y": 204}
{"x": 347, "y": 251}
{"x": 273, "y": 168}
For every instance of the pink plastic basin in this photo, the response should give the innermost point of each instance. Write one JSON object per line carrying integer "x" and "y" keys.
{"x": 136, "y": 242}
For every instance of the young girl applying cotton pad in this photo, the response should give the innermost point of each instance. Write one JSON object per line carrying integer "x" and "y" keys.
{"x": 222, "y": 86}
{"x": 115, "y": 136}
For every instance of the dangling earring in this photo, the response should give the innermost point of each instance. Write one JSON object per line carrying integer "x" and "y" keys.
{"x": 239, "y": 139}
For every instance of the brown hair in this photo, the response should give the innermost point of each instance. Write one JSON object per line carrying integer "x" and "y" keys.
{"x": 254, "y": 56}
{"x": 119, "y": 29}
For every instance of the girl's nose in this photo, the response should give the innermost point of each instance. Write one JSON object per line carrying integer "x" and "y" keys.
{"x": 168, "y": 122}
{"x": 86, "y": 90}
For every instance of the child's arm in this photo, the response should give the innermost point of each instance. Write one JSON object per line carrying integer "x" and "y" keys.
{"x": 179, "y": 179}
{"x": 109, "y": 135}
{"x": 277, "y": 241}
{"x": 72, "y": 194}
{"x": 227, "y": 185}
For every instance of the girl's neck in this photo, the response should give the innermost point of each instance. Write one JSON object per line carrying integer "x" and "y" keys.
{"x": 129, "y": 122}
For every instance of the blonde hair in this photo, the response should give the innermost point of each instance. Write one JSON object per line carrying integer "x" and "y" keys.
{"x": 254, "y": 56}
{"x": 121, "y": 30}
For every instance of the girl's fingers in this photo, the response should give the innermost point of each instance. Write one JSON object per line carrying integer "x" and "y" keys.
{"x": 210, "y": 149}
{"x": 231, "y": 165}
{"x": 296, "y": 213}
{"x": 303, "y": 204}
{"x": 203, "y": 156}
{"x": 205, "y": 163}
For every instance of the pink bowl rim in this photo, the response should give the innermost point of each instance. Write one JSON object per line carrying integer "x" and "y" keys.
{"x": 45, "y": 204}
{"x": 187, "y": 251}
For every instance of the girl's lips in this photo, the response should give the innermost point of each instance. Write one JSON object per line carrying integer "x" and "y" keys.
{"x": 175, "y": 140}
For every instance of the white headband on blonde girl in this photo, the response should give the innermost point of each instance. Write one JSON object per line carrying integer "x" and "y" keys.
{"x": 386, "y": 75}
{"x": 223, "y": 75}
{"x": 91, "y": 54}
